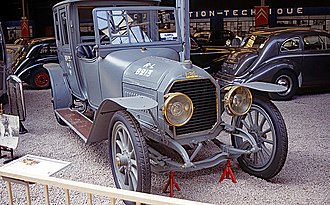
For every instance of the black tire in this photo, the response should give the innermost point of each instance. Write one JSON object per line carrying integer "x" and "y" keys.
{"x": 40, "y": 79}
{"x": 266, "y": 124}
{"x": 132, "y": 171}
{"x": 288, "y": 79}
{"x": 60, "y": 121}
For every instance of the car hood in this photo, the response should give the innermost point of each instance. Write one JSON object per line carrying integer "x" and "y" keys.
{"x": 240, "y": 60}
{"x": 156, "y": 73}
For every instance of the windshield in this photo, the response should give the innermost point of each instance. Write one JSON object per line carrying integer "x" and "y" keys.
{"x": 254, "y": 41}
{"x": 141, "y": 25}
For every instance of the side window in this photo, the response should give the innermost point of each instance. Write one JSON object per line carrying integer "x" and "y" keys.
{"x": 291, "y": 44}
{"x": 57, "y": 27}
{"x": 64, "y": 30}
{"x": 116, "y": 26}
{"x": 326, "y": 41}
{"x": 313, "y": 43}
{"x": 44, "y": 50}
{"x": 86, "y": 28}
{"x": 47, "y": 50}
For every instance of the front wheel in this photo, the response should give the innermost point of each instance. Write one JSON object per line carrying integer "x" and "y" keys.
{"x": 266, "y": 124}
{"x": 129, "y": 153}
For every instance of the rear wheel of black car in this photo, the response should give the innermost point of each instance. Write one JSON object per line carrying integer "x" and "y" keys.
{"x": 265, "y": 122}
{"x": 287, "y": 79}
{"x": 129, "y": 154}
{"x": 39, "y": 78}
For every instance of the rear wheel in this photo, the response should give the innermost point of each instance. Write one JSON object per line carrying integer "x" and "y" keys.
{"x": 128, "y": 154}
{"x": 266, "y": 124}
{"x": 39, "y": 78}
{"x": 287, "y": 79}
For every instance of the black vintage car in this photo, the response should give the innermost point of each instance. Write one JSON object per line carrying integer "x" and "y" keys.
{"x": 214, "y": 37}
{"x": 28, "y": 65}
{"x": 209, "y": 49}
{"x": 209, "y": 57}
{"x": 293, "y": 57}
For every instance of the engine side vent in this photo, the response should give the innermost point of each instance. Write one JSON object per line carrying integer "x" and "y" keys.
{"x": 203, "y": 94}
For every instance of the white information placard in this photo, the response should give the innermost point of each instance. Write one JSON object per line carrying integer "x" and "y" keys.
{"x": 9, "y": 130}
{"x": 30, "y": 164}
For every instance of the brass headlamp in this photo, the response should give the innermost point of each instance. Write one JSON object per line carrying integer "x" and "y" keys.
{"x": 178, "y": 109}
{"x": 238, "y": 100}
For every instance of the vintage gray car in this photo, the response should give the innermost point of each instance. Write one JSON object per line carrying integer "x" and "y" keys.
{"x": 123, "y": 77}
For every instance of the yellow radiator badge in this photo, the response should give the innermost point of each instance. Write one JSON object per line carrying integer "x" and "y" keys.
{"x": 191, "y": 74}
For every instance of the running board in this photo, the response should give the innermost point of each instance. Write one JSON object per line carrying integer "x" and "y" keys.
{"x": 76, "y": 121}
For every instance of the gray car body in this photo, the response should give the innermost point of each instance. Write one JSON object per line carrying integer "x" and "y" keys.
{"x": 111, "y": 74}
{"x": 109, "y": 70}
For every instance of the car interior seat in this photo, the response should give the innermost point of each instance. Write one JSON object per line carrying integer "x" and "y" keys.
{"x": 85, "y": 51}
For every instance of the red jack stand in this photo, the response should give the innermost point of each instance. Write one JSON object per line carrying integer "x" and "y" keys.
{"x": 171, "y": 182}
{"x": 226, "y": 172}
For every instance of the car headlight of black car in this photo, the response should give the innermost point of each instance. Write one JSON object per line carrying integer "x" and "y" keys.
{"x": 178, "y": 109}
{"x": 238, "y": 100}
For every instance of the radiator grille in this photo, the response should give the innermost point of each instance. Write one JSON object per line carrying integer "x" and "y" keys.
{"x": 203, "y": 94}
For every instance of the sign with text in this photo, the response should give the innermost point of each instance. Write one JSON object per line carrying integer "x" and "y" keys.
{"x": 36, "y": 165}
{"x": 261, "y": 15}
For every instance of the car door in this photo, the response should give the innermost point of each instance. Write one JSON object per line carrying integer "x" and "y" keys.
{"x": 291, "y": 49}
{"x": 65, "y": 51}
{"x": 316, "y": 61}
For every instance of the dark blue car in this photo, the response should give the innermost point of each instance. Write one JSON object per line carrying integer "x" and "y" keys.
{"x": 293, "y": 57}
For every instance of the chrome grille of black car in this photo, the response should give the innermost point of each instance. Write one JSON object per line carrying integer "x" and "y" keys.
{"x": 203, "y": 94}
{"x": 229, "y": 67}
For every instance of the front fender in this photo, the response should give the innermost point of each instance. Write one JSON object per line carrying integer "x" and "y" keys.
{"x": 264, "y": 87}
{"x": 109, "y": 106}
